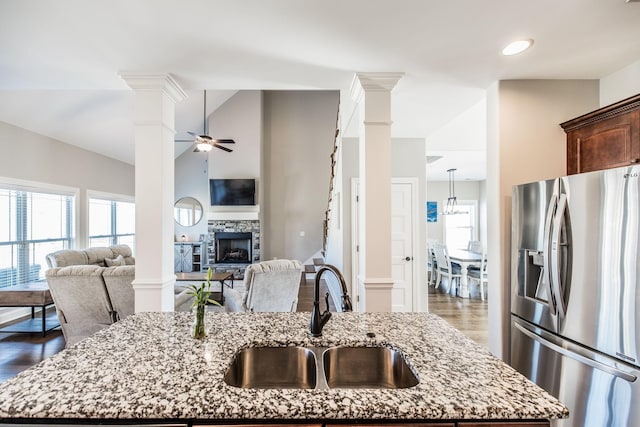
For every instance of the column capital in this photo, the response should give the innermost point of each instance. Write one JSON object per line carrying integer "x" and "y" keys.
{"x": 373, "y": 82}
{"x": 147, "y": 81}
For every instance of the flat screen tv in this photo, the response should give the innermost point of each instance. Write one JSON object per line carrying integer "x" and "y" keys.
{"x": 232, "y": 192}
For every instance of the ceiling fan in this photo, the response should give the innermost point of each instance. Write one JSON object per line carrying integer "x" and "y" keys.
{"x": 204, "y": 142}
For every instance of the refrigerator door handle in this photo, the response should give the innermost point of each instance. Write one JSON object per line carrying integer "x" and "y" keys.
{"x": 556, "y": 256}
{"x": 580, "y": 358}
{"x": 546, "y": 255}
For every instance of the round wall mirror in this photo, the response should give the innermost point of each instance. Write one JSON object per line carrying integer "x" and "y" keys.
{"x": 187, "y": 211}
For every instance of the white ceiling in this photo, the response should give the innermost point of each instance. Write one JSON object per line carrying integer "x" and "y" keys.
{"x": 60, "y": 61}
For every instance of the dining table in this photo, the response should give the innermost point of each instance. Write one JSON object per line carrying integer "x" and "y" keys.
{"x": 465, "y": 259}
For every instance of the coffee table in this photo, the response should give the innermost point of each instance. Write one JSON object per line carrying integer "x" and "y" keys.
{"x": 34, "y": 294}
{"x": 199, "y": 277}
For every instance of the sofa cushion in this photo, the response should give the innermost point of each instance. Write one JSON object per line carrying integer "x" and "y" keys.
{"x": 125, "y": 251}
{"x": 97, "y": 255}
{"x": 66, "y": 257}
{"x": 114, "y": 262}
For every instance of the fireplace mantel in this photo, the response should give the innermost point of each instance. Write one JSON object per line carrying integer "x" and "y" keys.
{"x": 233, "y": 216}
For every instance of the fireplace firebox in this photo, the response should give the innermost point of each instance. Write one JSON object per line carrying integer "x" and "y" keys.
{"x": 233, "y": 248}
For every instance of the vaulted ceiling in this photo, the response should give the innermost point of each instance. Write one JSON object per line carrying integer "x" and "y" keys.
{"x": 60, "y": 61}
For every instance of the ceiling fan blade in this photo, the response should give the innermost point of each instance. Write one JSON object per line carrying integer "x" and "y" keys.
{"x": 200, "y": 137}
{"x": 229, "y": 150}
{"x": 224, "y": 141}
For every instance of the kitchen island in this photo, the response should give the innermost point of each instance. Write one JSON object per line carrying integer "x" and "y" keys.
{"x": 147, "y": 368}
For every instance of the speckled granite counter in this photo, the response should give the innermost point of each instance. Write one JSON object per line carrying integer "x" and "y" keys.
{"x": 148, "y": 367}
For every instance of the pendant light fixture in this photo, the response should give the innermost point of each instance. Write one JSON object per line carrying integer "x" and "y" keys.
{"x": 452, "y": 203}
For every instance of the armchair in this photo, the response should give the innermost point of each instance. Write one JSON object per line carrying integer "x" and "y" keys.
{"x": 268, "y": 286}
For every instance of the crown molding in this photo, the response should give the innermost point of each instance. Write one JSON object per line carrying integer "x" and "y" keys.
{"x": 147, "y": 81}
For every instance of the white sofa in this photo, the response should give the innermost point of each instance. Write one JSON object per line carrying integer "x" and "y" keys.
{"x": 89, "y": 295}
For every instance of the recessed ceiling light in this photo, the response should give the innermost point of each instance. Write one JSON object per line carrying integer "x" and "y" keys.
{"x": 517, "y": 47}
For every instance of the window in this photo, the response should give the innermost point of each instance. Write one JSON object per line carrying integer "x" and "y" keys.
{"x": 33, "y": 225}
{"x": 111, "y": 222}
{"x": 461, "y": 227}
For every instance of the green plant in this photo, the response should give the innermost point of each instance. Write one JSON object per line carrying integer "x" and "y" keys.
{"x": 201, "y": 296}
{"x": 202, "y": 293}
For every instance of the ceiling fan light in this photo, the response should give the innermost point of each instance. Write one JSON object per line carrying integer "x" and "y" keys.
{"x": 517, "y": 47}
{"x": 204, "y": 146}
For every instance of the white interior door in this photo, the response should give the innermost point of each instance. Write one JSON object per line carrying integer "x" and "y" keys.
{"x": 403, "y": 236}
{"x": 402, "y": 250}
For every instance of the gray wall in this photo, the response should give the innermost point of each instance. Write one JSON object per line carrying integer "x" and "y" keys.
{"x": 284, "y": 139}
{"x": 33, "y": 157}
{"x": 298, "y": 137}
{"x": 239, "y": 118}
{"x": 525, "y": 143}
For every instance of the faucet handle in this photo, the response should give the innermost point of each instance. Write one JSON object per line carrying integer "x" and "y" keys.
{"x": 326, "y": 301}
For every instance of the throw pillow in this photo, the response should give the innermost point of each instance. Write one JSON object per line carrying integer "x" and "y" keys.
{"x": 115, "y": 262}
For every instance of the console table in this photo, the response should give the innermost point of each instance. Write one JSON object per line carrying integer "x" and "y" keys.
{"x": 34, "y": 294}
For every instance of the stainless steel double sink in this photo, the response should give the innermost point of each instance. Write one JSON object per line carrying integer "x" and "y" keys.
{"x": 320, "y": 368}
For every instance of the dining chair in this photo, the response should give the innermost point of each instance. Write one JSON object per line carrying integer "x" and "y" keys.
{"x": 475, "y": 246}
{"x": 431, "y": 263}
{"x": 445, "y": 268}
{"x": 479, "y": 275}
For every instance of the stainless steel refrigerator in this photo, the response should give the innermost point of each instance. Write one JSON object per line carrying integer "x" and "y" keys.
{"x": 575, "y": 297}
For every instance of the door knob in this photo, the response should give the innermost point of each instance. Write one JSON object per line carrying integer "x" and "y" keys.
{"x": 408, "y": 258}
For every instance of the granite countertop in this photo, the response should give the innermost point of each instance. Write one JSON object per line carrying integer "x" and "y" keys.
{"x": 148, "y": 367}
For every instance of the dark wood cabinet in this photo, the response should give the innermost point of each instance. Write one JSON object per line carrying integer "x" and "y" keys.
{"x": 603, "y": 139}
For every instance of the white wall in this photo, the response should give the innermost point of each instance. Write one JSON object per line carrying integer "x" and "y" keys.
{"x": 438, "y": 191}
{"x": 524, "y": 143}
{"x": 299, "y": 133}
{"x": 33, "y": 157}
{"x": 620, "y": 85}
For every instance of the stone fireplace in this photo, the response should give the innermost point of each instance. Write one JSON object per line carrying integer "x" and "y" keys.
{"x": 233, "y": 248}
{"x": 232, "y": 245}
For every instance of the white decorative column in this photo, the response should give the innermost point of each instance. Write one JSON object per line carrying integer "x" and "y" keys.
{"x": 156, "y": 96}
{"x": 372, "y": 92}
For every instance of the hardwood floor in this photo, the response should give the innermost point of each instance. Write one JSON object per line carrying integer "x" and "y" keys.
{"x": 19, "y": 352}
{"x": 469, "y": 315}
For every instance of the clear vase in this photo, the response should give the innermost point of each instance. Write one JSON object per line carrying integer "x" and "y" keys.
{"x": 199, "y": 330}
